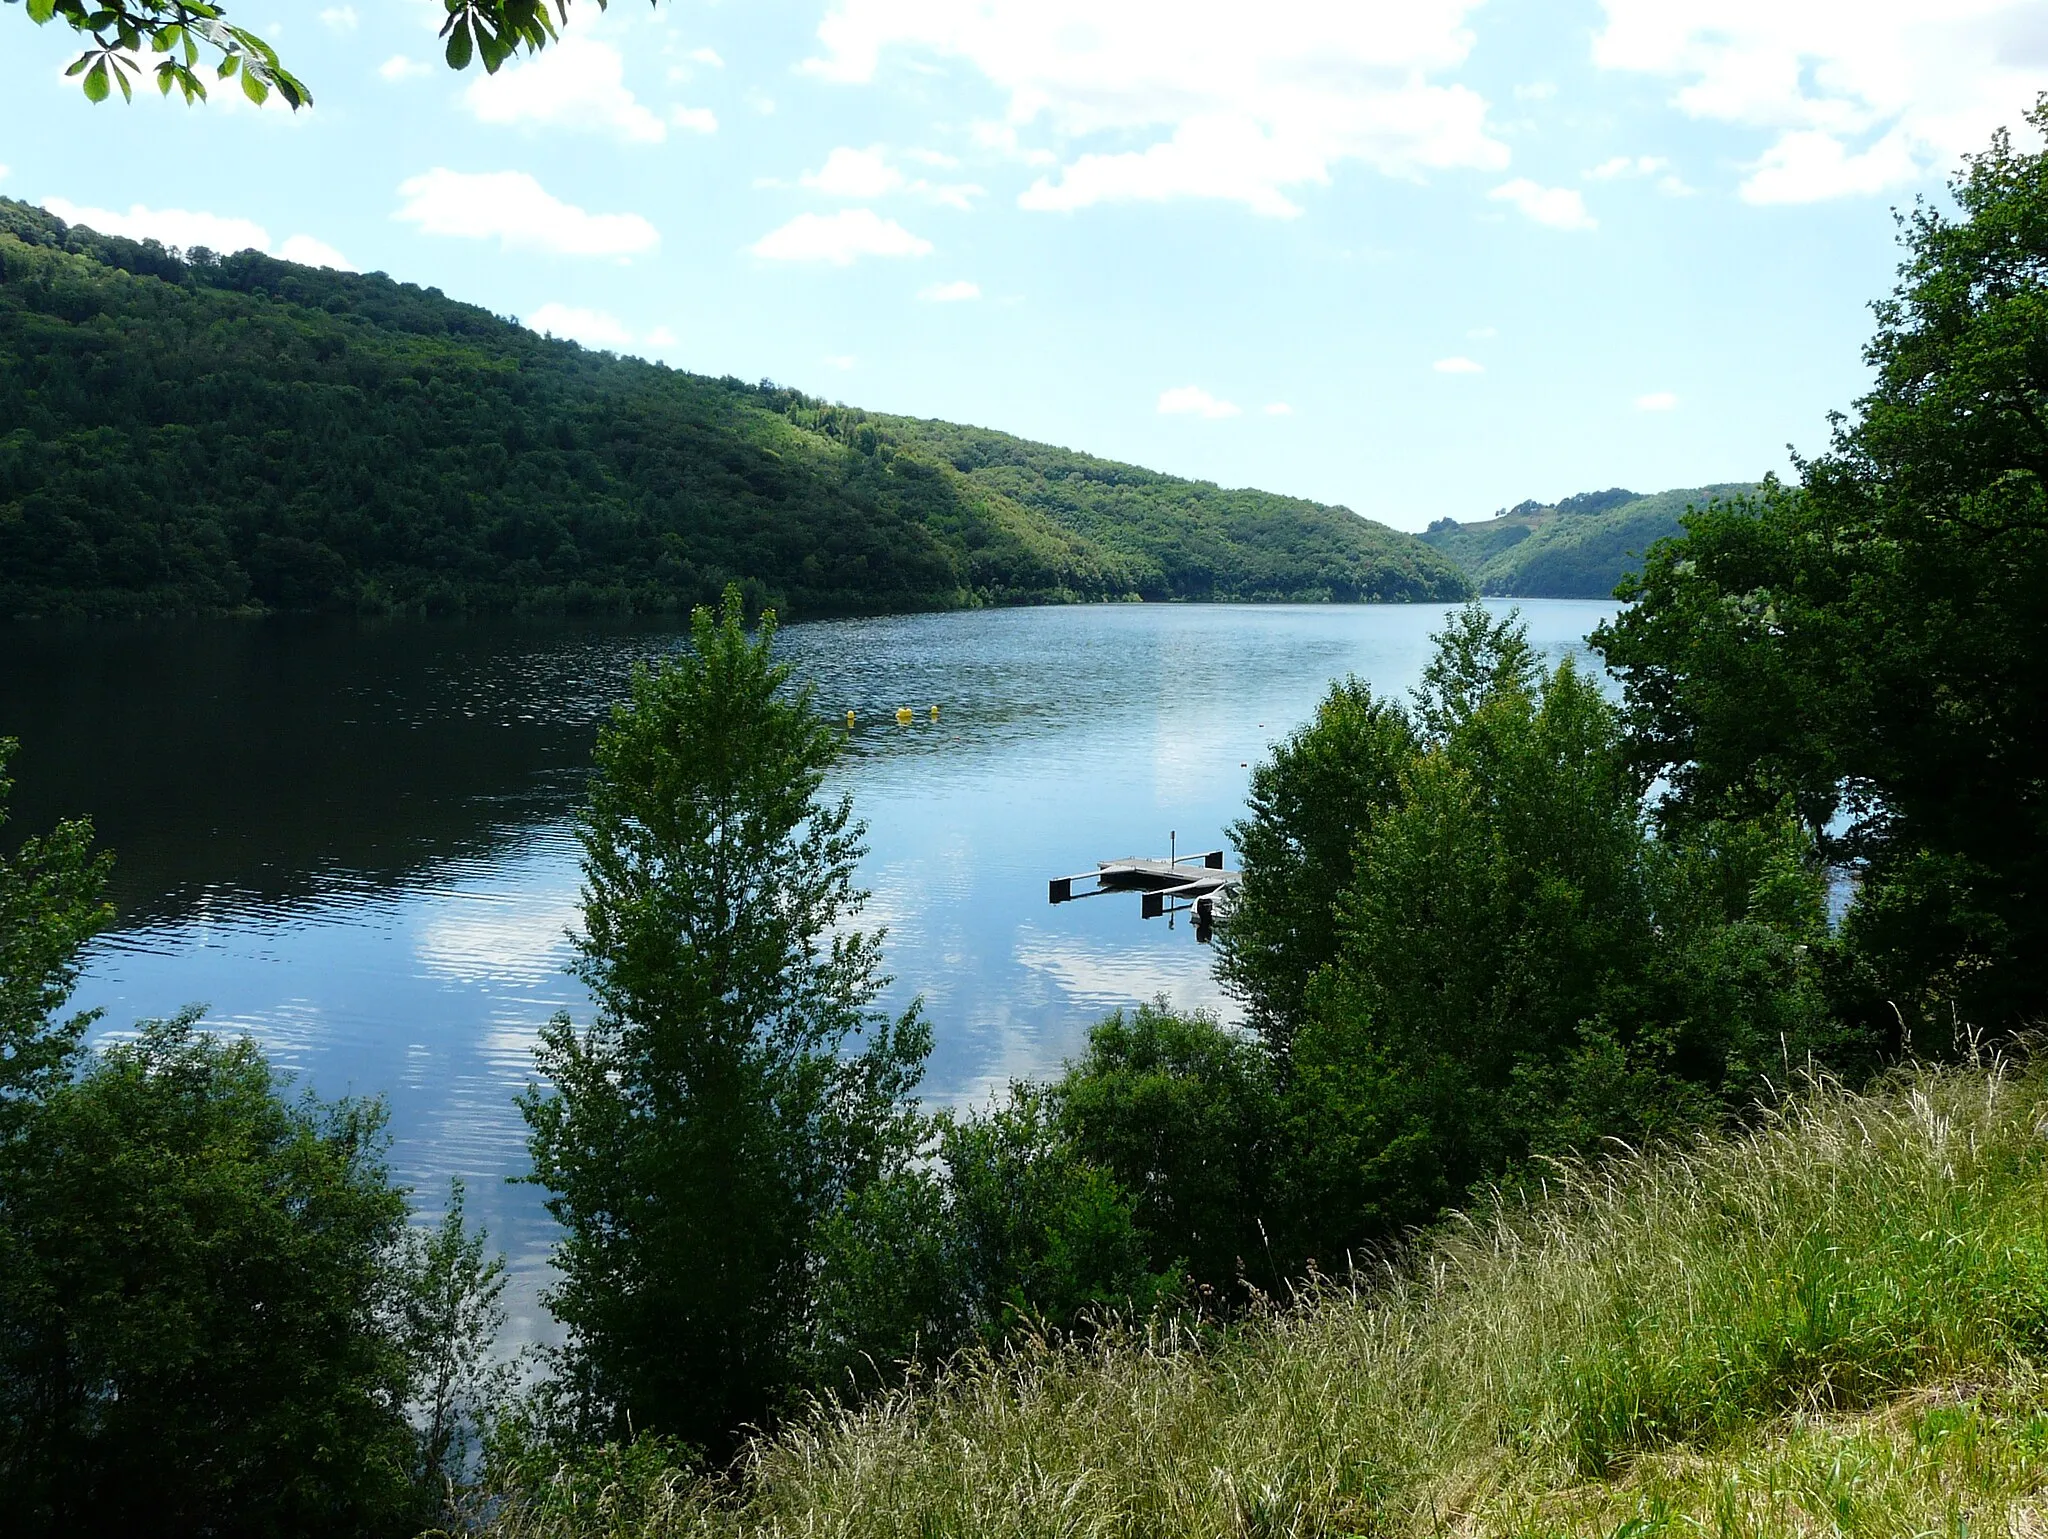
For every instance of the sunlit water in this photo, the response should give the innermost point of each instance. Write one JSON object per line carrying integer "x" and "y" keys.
{"x": 353, "y": 843}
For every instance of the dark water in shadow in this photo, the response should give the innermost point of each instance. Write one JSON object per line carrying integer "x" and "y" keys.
{"x": 351, "y": 841}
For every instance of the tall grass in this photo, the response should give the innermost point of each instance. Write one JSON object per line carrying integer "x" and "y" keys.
{"x": 1624, "y": 1349}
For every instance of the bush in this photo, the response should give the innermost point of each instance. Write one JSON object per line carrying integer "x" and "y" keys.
{"x": 200, "y": 1306}
{"x": 1184, "y": 1115}
{"x": 1009, "y": 1228}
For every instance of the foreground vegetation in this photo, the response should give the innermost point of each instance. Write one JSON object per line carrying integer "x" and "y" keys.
{"x": 198, "y": 433}
{"x": 1834, "y": 1323}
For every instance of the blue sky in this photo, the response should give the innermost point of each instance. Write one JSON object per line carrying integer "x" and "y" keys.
{"x": 1420, "y": 258}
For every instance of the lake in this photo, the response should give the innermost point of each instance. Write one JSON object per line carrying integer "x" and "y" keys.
{"x": 351, "y": 841}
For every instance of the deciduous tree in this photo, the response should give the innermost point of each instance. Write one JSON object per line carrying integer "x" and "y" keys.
{"x": 738, "y": 1084}
{"x": 1870, "y": 643}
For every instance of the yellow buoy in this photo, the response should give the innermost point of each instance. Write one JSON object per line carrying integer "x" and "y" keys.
{"x": 935, "y": 713}
{"x": 903, "y": 714}
{"x": 849, "y": 721}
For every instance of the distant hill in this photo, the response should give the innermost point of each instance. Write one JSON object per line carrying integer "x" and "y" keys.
{"x": 1578, "y": 548}
{"x": 199, "y": 433}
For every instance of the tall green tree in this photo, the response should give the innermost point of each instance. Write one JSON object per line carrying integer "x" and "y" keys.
{"x": 1322, "y": 792}
{"x": 737, "y": 1084}
{"x": 1871, "y": 644}
{"x": 1515, "y": 965}
{"x": 1310, "y": 802}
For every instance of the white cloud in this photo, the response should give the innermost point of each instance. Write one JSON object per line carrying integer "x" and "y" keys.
{"x": 761, "y": 102}
{"x": 1657, "y": 400}
{"x": 698, "y": 120}
{"x": 661, "y": 336}
{"x": 399, "y": 67}
{"x": 960, "y": 195}
{"x": 3, "y": 173}
{"x": 707, "y": 56}
{"x": 1207, "y": 158}
{"x": 1627, "y": 165}
{"x": 1861, "y": 95}
{"x": 935, "y": 158}
{"x": 1632, "y": 166}
{"x": 1483, "y": 333}
{"x": 950, "y": 293}
{"x": 1194, "y": 401}
{"x": 1002, "y": 139}
{"x": 1279, "y": 409}
{"x": 1562, "y": 208}
{"x": 576, "y": 83}
{"x": 840, "y": 239}
{"x": 593, "y": 328}
{"x": 340, "y": 18}
{"x": 851, "y": 173}
{"x": 840, "y": 360}
{"x": 313, "y": 253}
{"x": 1458, "y": 366}
{"x": 1243, "y": 103}
{"x": 179, "y": 227}
{"x": 513, "y": 208}
{"x": 1536, "y": 91}
{"x": 1810, "y": 165}
{"x": 186, "y": 228}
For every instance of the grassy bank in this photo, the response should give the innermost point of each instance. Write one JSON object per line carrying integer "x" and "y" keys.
{"x": 1832, "y": 1324}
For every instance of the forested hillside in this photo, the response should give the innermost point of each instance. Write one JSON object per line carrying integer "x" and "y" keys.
{"x": 1577, "y": 548}
{"x": 206, "y": 433}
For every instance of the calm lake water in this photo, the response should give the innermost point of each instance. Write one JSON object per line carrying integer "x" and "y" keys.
{"x": 352, "y": 842}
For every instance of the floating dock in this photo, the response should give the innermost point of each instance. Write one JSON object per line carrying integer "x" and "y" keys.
{"x": 1182, "y": 884}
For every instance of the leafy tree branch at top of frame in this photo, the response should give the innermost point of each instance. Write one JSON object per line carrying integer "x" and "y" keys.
{"x": 181, "y": 33}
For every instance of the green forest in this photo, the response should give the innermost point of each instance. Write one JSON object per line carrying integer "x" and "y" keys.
{"x": 1579, "y": 547}
{"x": 1635, "y": 1128}
{"x": 205, "y": 434}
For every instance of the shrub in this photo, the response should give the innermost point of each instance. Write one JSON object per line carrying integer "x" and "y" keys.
{"x": 200, "y": 1305}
